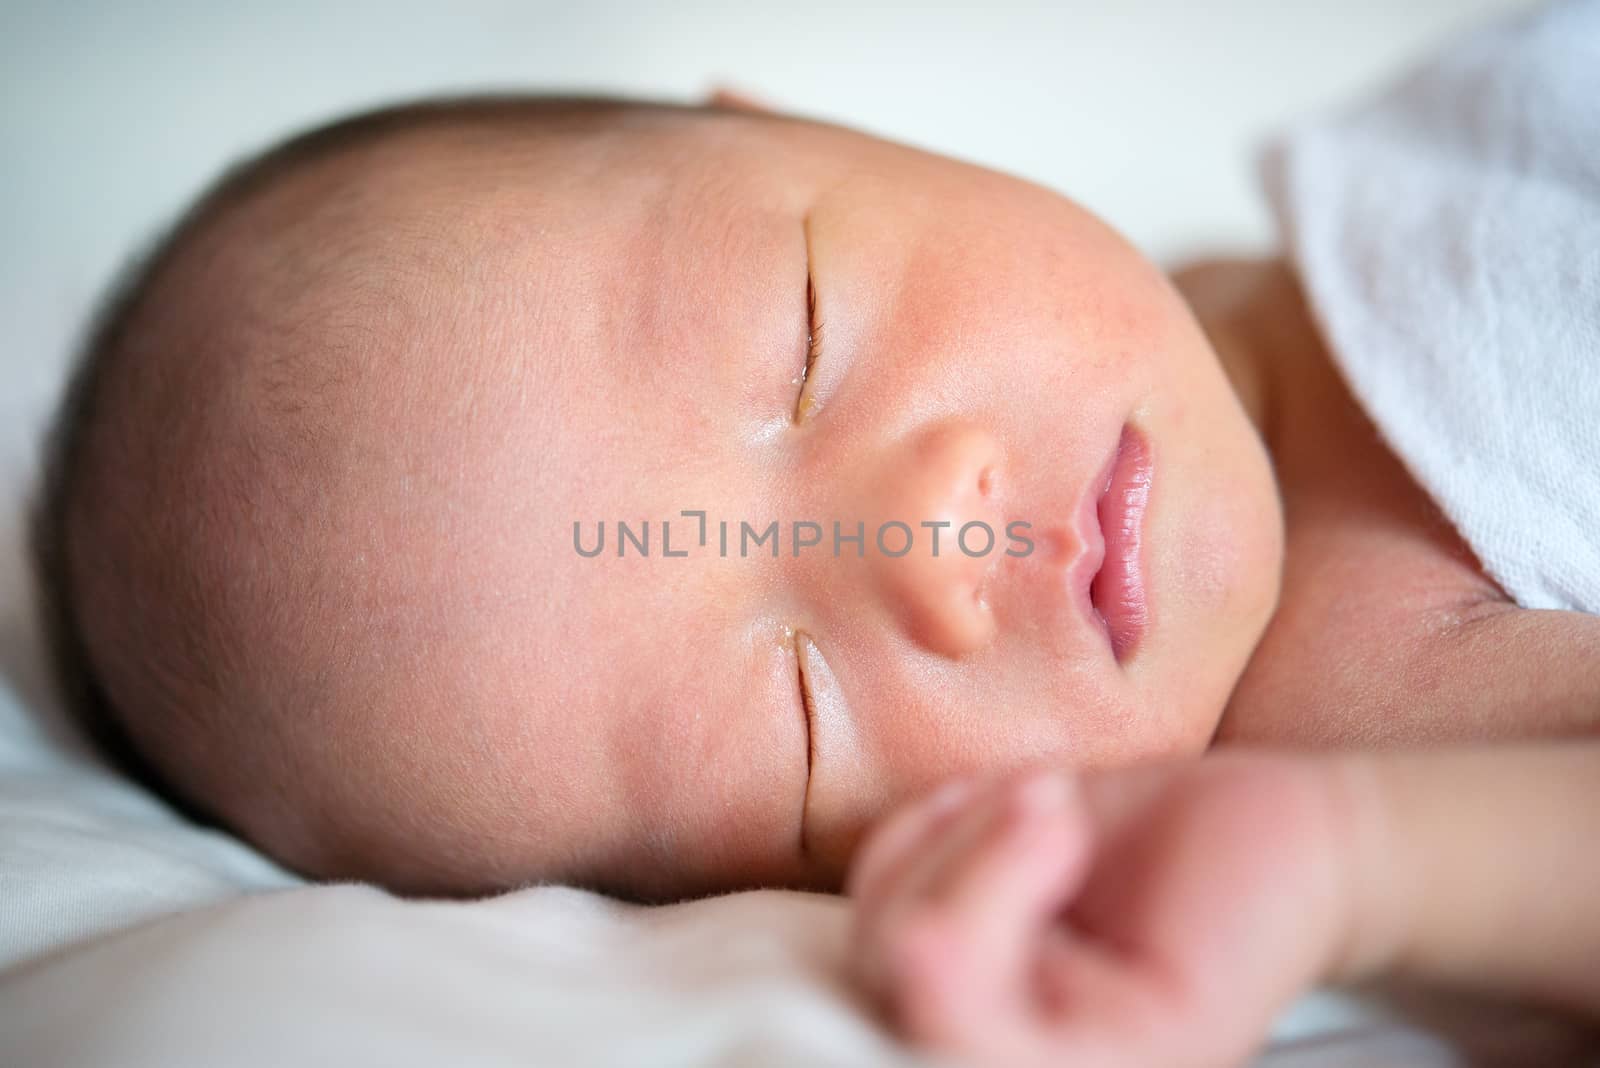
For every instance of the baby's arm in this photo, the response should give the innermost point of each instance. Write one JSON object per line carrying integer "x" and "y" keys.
{"x": 1480, "y": 869}
{"x": 1164, "y": 916}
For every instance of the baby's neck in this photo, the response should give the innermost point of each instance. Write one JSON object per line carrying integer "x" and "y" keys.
{"x": 1254, "y": 316}
{"x": 1371, "y": 569}
{"x": 1242, "y": 305}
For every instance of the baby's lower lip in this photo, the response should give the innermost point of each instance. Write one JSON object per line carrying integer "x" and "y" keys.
{"x": 1118, "y": 588}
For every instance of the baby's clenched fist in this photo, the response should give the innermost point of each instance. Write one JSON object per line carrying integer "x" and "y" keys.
{"x": 1159, "y": 916}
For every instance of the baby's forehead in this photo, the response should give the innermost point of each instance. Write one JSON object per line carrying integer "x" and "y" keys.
{"x": 512, "y": 264}
{"x": 468, "y": 357}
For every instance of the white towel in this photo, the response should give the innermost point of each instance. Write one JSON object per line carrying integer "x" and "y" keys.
{"x": 1447, "y": 233}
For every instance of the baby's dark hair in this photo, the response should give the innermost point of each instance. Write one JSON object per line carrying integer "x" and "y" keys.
{"x": 69, "y": 469}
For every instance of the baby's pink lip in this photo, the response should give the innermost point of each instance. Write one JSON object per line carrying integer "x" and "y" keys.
{"x": 1087, "y": 527}
{"x": 1116, "y": 591}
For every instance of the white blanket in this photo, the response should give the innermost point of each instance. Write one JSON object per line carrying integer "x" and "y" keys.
{"x": 1448, "y": 235}
{"x": 348, "y": 976}
{"x": 345, "y": 975}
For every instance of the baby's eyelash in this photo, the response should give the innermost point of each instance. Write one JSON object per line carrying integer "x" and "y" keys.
{"x": 804, "y": 404}
{"x": 801, "y": 639}
{"x": 814, "y": 337}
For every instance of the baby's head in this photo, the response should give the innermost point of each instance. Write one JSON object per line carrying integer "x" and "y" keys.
{"x": 320, "y": 522}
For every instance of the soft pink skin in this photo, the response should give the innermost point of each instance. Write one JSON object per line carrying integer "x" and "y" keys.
{"x": 1153, "y": 916}
{"x": 612, "y": 329}
{"x": 1166, "y": 915}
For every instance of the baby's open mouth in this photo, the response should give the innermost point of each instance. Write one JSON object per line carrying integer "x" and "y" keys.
{"x": 1117, "y": 591}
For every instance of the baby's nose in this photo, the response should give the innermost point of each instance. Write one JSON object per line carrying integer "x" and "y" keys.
{"x": 940, "y": 535}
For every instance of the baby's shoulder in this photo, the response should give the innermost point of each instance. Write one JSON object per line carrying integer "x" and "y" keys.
{"x": 1388, "y": 628}
{"x": 1369, "y": 673}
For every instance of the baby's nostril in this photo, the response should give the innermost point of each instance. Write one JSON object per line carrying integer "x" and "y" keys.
{"x": 985, "y": 481}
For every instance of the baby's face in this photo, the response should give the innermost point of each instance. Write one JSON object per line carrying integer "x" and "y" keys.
{"x": 619, "y": 331}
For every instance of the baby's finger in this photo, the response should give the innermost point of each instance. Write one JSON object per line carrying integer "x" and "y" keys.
{"x": 947, "y": 912}
{"x": 921, "y": 862}
{"x": 1018, "y": 878}
{"x": 888, "y": 847}
{"x": 963, "y": 953}
{"x": 898, "y": 892}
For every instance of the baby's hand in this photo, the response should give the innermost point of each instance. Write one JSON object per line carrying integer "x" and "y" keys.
{"x": 1151, "y": 917}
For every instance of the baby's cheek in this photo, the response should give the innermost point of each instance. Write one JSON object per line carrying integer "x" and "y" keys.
{"x": 1216, "y": 554}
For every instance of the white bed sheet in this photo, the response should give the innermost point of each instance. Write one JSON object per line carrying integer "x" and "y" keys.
{"x": 548, "y": 976}
{"x": 128, "y": 937}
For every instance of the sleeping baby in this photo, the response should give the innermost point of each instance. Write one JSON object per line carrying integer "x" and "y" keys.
{"x": 329, "y": 482}
{"x": 651, "y": 497}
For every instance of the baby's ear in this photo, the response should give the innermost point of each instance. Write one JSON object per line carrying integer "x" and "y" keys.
{"x": 729, "y": 99}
